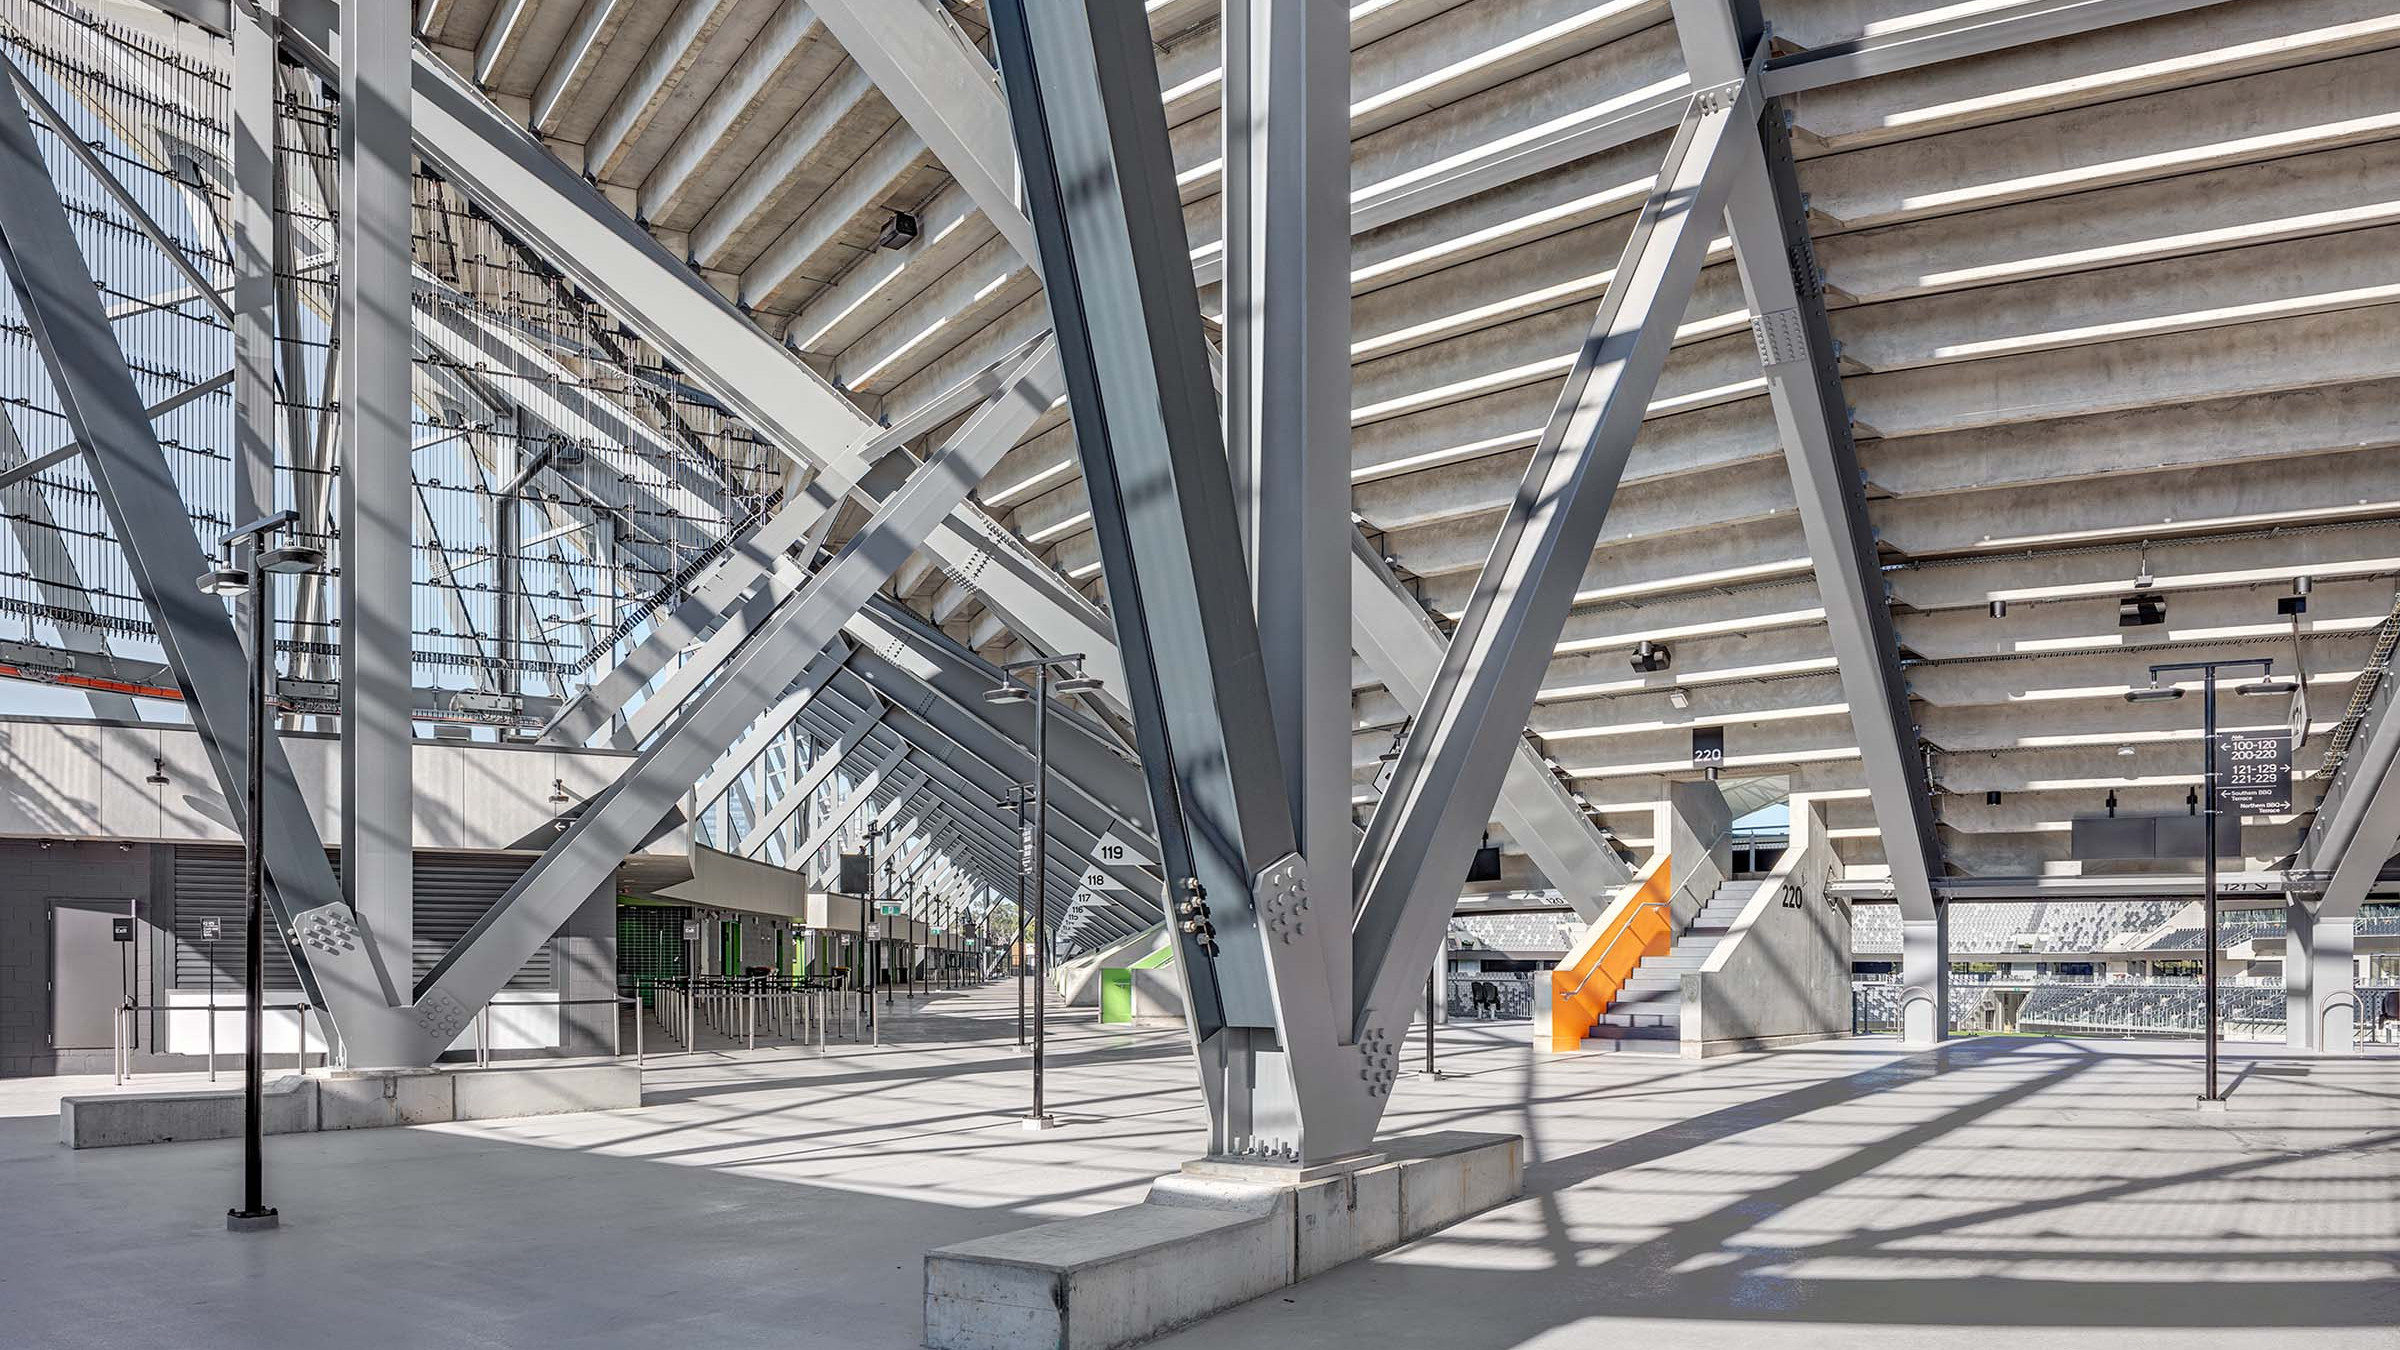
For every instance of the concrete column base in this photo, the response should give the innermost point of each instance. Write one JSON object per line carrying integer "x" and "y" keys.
{"x": 350, "y": 1101}
{"x": 1207, "y": 1238}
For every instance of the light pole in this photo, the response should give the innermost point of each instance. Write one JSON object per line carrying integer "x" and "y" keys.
{"x": 863, "y": 979}
{"x": 1045, "y": 681}
{"x": 1020, "y": 796}
{"x": 228, "y": 579}
{"x": 2266, "y": 683}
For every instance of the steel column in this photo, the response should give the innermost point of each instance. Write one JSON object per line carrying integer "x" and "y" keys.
{"x": 1287, "y": 408}
{"x": 1281, "y": 1071}
{"x": 62, "y": 311}
{"x": 378, "y": 213}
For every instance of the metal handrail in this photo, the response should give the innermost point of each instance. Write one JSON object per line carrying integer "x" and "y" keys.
{"x": 1622, "y": 930}
{"x": 122, "y": 1053}
{"x": 616, "y": 1030}
{"x": 121, "y": 1017}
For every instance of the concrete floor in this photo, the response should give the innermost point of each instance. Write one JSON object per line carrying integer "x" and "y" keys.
{"x": 2024, "y": 1193}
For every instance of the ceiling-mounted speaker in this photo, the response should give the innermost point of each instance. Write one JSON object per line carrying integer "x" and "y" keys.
{"x": 897, "y": 232}
{"x": 2141, "y": 610}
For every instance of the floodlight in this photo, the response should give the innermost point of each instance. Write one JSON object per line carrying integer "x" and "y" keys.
{"x": 2271, "y": 684}
{"x": 1007, "y": 693}
{"x": 224, "y": 581}
{"x": 291, "y": 558}
{"x": 2156, "y": 693}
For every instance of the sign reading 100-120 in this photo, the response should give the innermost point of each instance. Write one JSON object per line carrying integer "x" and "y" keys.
{"x": 2254, "y": 770}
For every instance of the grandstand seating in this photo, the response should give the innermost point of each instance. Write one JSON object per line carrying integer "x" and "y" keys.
{"x": 1549, "y": 932}
{"x": 2083, "y": 926}
{"x": 1515, "y": 988}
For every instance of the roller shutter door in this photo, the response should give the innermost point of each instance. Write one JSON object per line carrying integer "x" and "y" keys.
{"x": 452, "y": 891}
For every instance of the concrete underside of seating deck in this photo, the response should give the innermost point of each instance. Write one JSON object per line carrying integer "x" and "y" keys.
{"x": 2004, "y": 1193}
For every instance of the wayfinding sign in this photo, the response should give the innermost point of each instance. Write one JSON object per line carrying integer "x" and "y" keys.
{"x": 2254, "y": 770}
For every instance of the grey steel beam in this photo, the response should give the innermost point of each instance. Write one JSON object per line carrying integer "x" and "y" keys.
{"x": 763, "y": 734}
{"x": 23, "y": 468}
{"x": 799, "y": 794}
{"x": 1957, "y": 38}
{"x": 167, "y": 245}
{"x": 56, "y": 577}
{"x": 979, "y": 764}
{"x": 1767, "y": 216}
{"x": 937, "y": 488}
{"x": 1400, "y": 645}
{"x": 789, "y": 405}
{"x": 776, "y": 549}
{"x": 2367, "y": 766}
{"x": 944, "y": 90}
{"x": 684, "y": 746}
{"x": 1425, "y": 828}
{"x": 1278, "y": 1060}
{"x": 613, "y": 824}
{"x": 2362, "y": 858}
{"x": 538, "y": 199}
{"x": 826, "y": 830}
{"x": 916, "y": 667}
{"x": 1287, "y": 410}
{"x": 378, "y": 212}
{"x": 959, "y": 765}
{"x": 144, "y": 505}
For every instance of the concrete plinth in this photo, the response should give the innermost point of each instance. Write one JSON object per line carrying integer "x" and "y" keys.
{"x": 1206, "y": 1239}
{"x": 350, "y": 1102}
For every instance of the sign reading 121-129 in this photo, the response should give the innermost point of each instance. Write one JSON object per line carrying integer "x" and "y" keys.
{"x": 2254, "y": 770}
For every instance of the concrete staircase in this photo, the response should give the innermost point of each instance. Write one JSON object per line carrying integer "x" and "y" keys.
{"x": 1647, "y": 1015}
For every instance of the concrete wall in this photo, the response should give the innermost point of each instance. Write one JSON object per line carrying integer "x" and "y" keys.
{"x": 1783, "y": 974}
{"x": 1698, "y": 827}
{"x": 69, "y": 780}
{"x": 176, "y": 1036}
{"x": 89, "y": 873}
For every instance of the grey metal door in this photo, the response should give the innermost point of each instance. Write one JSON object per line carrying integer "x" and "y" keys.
{"x": 87, "y": 975}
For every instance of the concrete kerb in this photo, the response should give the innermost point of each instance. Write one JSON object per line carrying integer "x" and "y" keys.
{"x": 374, "y": 1100}
{"x": 1204, "y": 1240}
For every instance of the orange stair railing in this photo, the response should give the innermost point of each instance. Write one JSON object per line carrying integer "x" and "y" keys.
{"x": 1582, "y": 986}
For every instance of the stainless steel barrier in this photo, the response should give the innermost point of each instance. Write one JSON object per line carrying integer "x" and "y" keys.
{"x": 121, "y": 1031}
{"x": 744, "y": 1008}
{"x": 122, "y": 1022}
